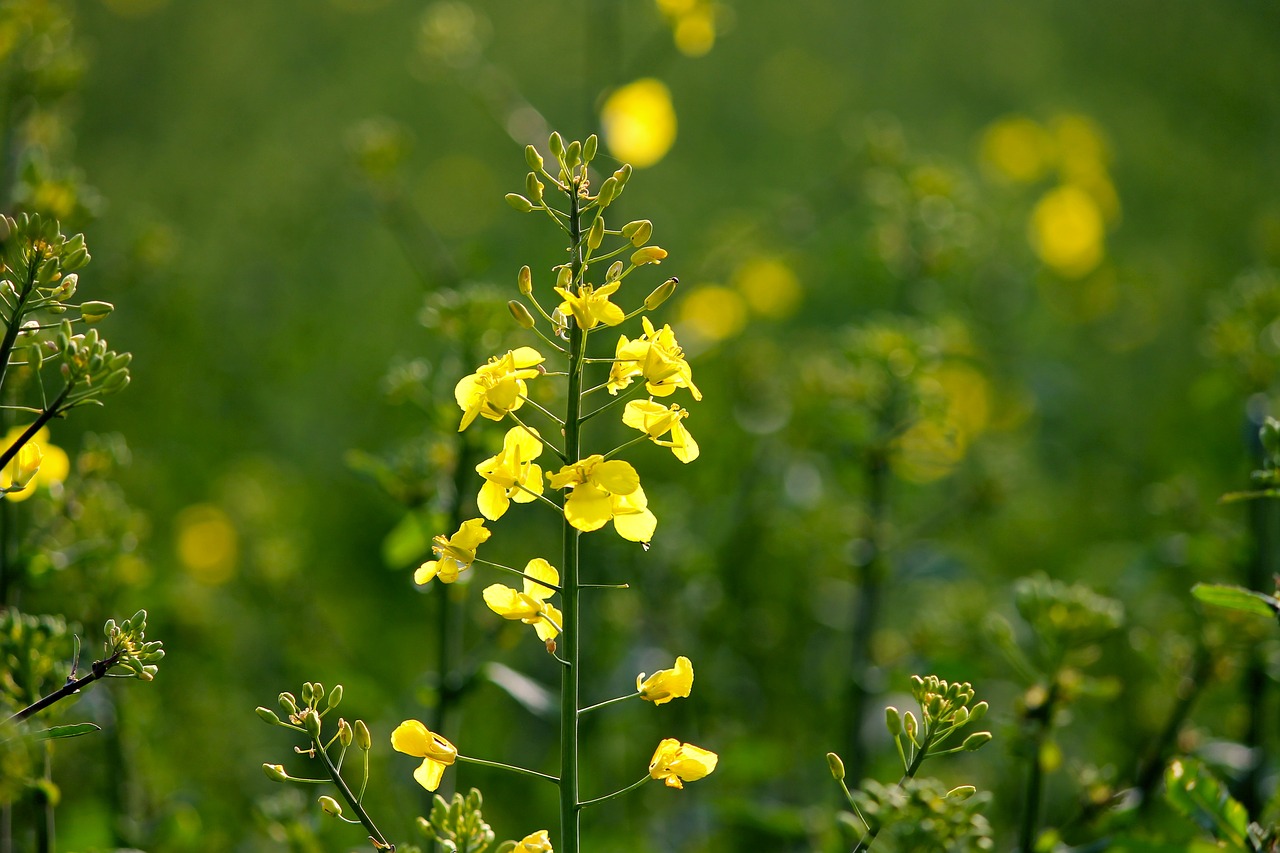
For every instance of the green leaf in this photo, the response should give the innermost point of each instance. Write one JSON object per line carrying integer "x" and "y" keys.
{"x": 1197, "y": 794}
{"x": 72, "y": 730}
{"x": 409, "y": 541}
{"x": 1237, "y": 598}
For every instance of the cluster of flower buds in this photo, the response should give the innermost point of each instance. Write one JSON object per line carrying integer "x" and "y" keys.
{"x": 944, "y": 710}
{"x": 128, "y": 644}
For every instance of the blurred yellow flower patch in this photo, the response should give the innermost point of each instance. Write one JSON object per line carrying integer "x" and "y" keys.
{"x": 207, "y": 544}
{"x": 639, "y": 122}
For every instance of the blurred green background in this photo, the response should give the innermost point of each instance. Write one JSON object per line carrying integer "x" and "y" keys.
{"x": 1009, "y": 252}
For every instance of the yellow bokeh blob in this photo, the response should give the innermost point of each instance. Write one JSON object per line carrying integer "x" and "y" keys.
{"x": 1082, "y": 147}
{"x": 1066, "y": 231}
{"x": 968, "y": 398}
{"x": 695, "y": 33}
{"x": 54, "y": 464}
{"x": 639, "y": 122}
{"x": 207, "y": 544}
{"x": 770, "y": 287}
{"x": 714, "y": 312}
{"x": 927, "y": 451}
{"x": 1017, "y": 148}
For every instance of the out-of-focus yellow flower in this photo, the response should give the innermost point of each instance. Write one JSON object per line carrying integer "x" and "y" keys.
{"x": 658, "y": 358}
{"x": 715, "y": 312}
{"x": 497, "y": 387}
{"x": 1018, "y": 148}
{"x": 413, "y": 738}
{"x": 676, "y": 763}
{"x": 604, "y": 491}
{"x": 693, "y": 24}
{"x": 667, "y": 684}
{"x": 1081, "y": 144}
{"x": 1066, "y": 231}
{"x": 639, "y": 122}
{"x": 770, "y": 287}
{"x": 44, "y": 464}
{"x": 591, "y": 306}
{"x": 207, "y": 543}
{"x": 657, "y": 420}
{"x": 531, "y": 606}
{"x": 967, "y": 394}
{"x": 511, "y": 475}
{"x": 536, "y": 842}
{"x": 927, "y": 451}
{"x": 454, "y": 554}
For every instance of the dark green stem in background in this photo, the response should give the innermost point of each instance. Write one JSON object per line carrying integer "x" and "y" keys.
{"x": 1041, "y": 720}
{"x": 1264, "y": 525}
{"x": 926, "y": 740}
{"x": 867, "y": 610}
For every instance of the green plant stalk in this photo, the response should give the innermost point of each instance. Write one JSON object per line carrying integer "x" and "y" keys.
{"x": 341, "y": 785}
{"x": 569, "y": 807}
{"x": 98, "y": 670}
{"x": 45, "y": 416}
{"x": 1043, "y": 721}
{"x": 866, "y": 610}
{"x": 929, "y": 736}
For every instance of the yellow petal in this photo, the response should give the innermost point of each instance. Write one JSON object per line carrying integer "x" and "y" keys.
{"x": 429, "y": 774}
{"x": 425, "y": 572}
{"x": 588, "y": 507}
{"x": 492, "y": 500}
{"x": 541, "y": 570}
{"x": 412, "y": 738}
{"x": 616, "y": 476}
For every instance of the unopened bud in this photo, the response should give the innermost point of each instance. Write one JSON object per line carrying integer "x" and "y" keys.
{"x": 614, "y": 272}
{"x": 92, "y": 312}
{"x": 533, "y": 158}
{"x": 524, "y": 280}
{"x": 977, "y": 712}
{"x": 638, "y": 232}
{"x": 893, "y": 721}
{"x": 623, "y": 175}
{"x": 556, "y": 144}
{"x": 275, "y": 772}
{"x": 573, "y": 154}
{"x": 661, "y": 293}
{"x": 648, "y": 255}
{"x": 977, "y": 740}
{"x": 836, "y": 765}
{"x": 66, "y": 288}
{"x": 909, "y": 725}
{"x": 608, "y": 192}
{"x": 589, "y": 148}
{"x": 6, "y": 226}
{"x": 961, "y": 792}
{"x": 564, "y": 277}
{"x": 362, "y": 739}
{"x": 267, "y": 715}
{"x": 519, "y": 202}
{"x": 521, "y": 314}
{"x": 596, "y": 235}
{"x": 311, "y": 722}
{"x": 336, "y": 696}
{"x": 534, "y": 187}
{"x": 330, "y": 806}
{"x": 345, "y": 734}
{"x": 288, "y": 703}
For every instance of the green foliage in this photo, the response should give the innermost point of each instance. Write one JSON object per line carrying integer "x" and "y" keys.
{"x": 921, "y": 815}
{"x": 458, "y": 825}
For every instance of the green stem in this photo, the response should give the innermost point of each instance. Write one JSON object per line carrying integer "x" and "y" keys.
{"x": 378, "y": 839}
{"x": 569, "y": 809}
{"x": 609, "y": 702}
{"x": 98, "y": 670}
{"x": 548, "y": 585}
{"x": 621, "y": 447}
{"x": 607, "y": 797}
{"x": 615, "y": 401}
{"x": 927, "y": 739}
{"x": 511, "y": 767}
{"x": 15, "y": 320}
{"x": 45, "y": 416}
{"x": 1042, "y": 719}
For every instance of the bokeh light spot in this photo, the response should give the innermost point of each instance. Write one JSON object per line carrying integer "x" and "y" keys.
{"x": 770, "y": 287}
{"x": 714, "y": 312}
{"x": 1017, "y": 148}
{"x": 207, "y": 544}
{"x": 1066, "y": 231}
{"x": 639, "y": 122}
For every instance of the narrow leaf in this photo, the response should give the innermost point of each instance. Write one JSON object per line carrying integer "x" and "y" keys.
{"x": 1237, "y": 598}
{"x": 72, "y": 730}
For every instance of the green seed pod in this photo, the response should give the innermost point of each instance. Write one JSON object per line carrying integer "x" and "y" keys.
{"x": 836, "y": 765}
{"x": 977, "y": 740}
{"x": 330, "y": 806}
{"x": 661, "y": 293}
{"x": 267, "y": 715}
{"x": 893, "y": 721}
{"x": 533, "y": 158}
{"x": 519, "y": 202}
{"x": 362, "y": 739}
{"x": 521, "y": 314}
{"x": 596, "y": 235}
{"x": 638, "y": 232}
{"x": 345, "y": 734}
{"x": 961, "y": 792}
{"x": 589, "y": 148}
{"x": 92, "y": 312}
{"x": 275, "y": 772}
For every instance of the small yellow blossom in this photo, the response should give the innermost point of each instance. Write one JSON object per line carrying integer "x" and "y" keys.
{"x": 667, "y": 684}
{"x": 591, "y": 306}
{"x": 498, "y": 386}
{"x": 655, "y": 356}
{"x": 536, "y": 842}
{"x": 676, "y": 763}
{"x": 531, "y": 606}
{"x": 454, "y": 554}
{"x": 511, "y": 475}
{"x": 413, "y": 738}
{"x": 603, "y": 491}
{"x": 38, "y": 463}
{"x": 657, "y": 420}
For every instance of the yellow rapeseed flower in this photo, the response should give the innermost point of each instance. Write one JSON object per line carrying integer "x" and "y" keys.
{"x": 454, "y": 554}
{"x": 639, "y": 122}
{"x": 531, "y": 606}
{"x": 591, "y": 306}
{"x": 38, "y": 463}
{"x": 676, "y": 763}
{"x": 535, "y": 842}
{"x": 413, "y": 738}
{"x": 511, "y": 475}
{"x": 667, "y": 684}
{"x": 657, "y": 420}
{"x": 602, "y": 491}
{"x": 657, "y": 358}
{"x": 498, "y": 386}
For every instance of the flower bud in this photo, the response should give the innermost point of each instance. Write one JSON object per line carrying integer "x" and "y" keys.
{"x": 362, "y": 739}
{"x": 961, "y": 792}
{"x": 614, "y": 272}
{"x": 330, "y": 806}
{"x": 533, "y": 158}
{"x": 893, "y": 721}
{"x": 573, "y": 154}
{"x": 288, "y": 703}
{"x": 589, "y": 148}
{"x": 836, "y": 765}
{"x": 534, "y": 187}
{"x": 267, "y": 715}
{"x": 608, "y": 192}
{"x": 335, "y": 697}
{"x": 596, "y": 235}
{"x": 623, "y": 175}
{"x": 638, "y": 232}
{"x": 564, "y": 277}
{"x": 977, "y": 740}
{"x": 92, "y": 312}
{"x": 521, "y": 314}
{"x": 345, "y": 734}
{"x": 6, "y": 226}
{"x": 66, "y": 288}
{"x": 648, "y": 255}
{"x": 977, "y": 712}
{"x": 275, "y": 772}
{"x": 909, "y": 725}
{"x": 519, "y": 202}
{"x": 29, "y": 459}
{"x": 661, "y": 293}
{"x": 556, "y": 143}
{"x": 311, "y": 722}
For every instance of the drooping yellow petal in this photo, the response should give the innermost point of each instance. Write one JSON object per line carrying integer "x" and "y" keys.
{"x": 541, "y": 570}
{"x": 548, "y": 626}
{"x": 536, "y": 842}
{"x": 429, "y": 774}
{"x": 675, "y": 763}
{"x": 492, "y": 500}
{"x": 588, "y": 507}
{"x": 667, "y": 684}
{"x": 615, "y": 476}
{"x": 511, "y": 604}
